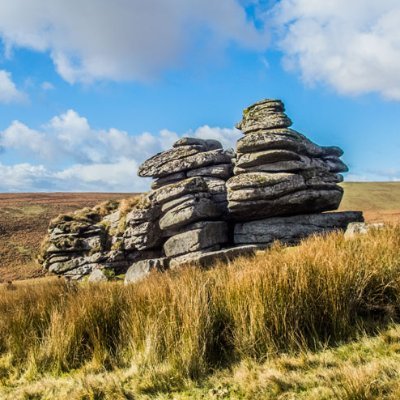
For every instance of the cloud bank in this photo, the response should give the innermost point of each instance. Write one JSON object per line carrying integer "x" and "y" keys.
{"x": 8, "y": 91}
{"x": 352, "y": 46}
{"x": 124, "y": 39}
{"x": 90, "y": 160}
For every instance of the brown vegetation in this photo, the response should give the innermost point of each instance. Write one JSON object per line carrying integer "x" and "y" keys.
{"x": 180, "y": 326}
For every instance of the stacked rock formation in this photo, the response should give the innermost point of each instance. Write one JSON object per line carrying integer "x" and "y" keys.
{"x": 207, "y": 203}
{"x": 78, "y": 244}
{"x": 89, "y": 240}
{"x": 279, "y": 172}
{"x": 191, "y": 193}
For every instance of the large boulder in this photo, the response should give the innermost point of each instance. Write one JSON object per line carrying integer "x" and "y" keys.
{"x": 207, "y": 258}
{"x": 199, "y": 236}
{"x": 192, "y": 210}
{"x": 140, "y": 269}
{"x": 265, "y": 114}
{"x": 290, "y": 230}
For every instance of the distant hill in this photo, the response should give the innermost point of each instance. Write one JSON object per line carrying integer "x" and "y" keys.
{"x": 24, "y": 218}
{"x": 380, "y": 201}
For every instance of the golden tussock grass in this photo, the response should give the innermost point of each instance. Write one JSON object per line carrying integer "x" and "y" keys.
{"x": 182, "y": 325}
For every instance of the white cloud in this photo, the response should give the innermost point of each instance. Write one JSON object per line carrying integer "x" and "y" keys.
{"x": 353, "y": 46}
{"x": 124, "y": 39}
{"x": 226, "y": 136}
{"x": 8, "y": 91}
{"x": 72, "y": 156}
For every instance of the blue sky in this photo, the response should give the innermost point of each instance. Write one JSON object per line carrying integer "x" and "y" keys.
{"x": 88, "y": 91}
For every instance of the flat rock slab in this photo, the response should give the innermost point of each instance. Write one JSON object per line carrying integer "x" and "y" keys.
{"x": 168, "y": 179}
{"x": 161, "y": 166}
{"x": 192, "y": 210}
{"x": 139, "y": 270}
{"x": 266, "y": 186}
{"x": 208, "y": 258}
{"x": 300, "y": 202}
{"x": 204, "y": 235}
{"x": 210, "y": 144}
{"x": 254, "y": 162}
{"x": 266, "y": 157}
{"x": 179, "y": 189}
{"x": 290, "y": 230}
{"x": 153, "y": 166}
{"x": 222, "y": 171}
{"x": 284, "y": 139}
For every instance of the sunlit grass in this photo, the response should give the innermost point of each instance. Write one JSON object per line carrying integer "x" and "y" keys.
{"x": 175, "y": 329}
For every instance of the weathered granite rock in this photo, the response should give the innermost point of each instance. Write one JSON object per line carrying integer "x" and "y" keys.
{"x": 154, "y": 165}
{"x": 291, "y": 230}
{"x": 198, "y": 236}
{"x": 222, "y": 171}
{"x": 142, "y": 230}
{"x": 168, "y": 163}
{"x": 168, "y": 179}
{"x": 139, "y": 270}
{"x": 294, "y": 203}
{"x": 192, "y": 210}
{"x": 80, "y": 272}
{"x": 265, "y": 114}
{"x": 208, "y": 258}
{"x": 97, "y": 276}
{"x": 255, "y": 163}
{"x": 209, "y": 144}
{"x": 199, "y": 192}
{"x": 278, "y": 171}
{"x": 286, "y": 139}
{"x": 176, "y": 190}
{"x": 192, "y": 196}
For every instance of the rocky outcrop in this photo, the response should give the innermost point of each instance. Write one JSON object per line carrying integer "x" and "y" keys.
{"x": 279, "y": 171}
{"x": 208, "y": 204}
{"x": 103, "y": 239}
{"x": 191, "y": 193}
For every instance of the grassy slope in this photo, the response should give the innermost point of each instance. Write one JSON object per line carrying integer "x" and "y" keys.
{"x": 262, "y": 316}
{"x": 380, "y": 201}
{"x": 366, "y": 369}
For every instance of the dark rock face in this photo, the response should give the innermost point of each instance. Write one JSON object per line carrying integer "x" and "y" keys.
{"x": 290, "y": 230}
{"x": 209, "y": 204}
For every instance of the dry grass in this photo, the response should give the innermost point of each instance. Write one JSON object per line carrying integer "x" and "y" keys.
{"x": 176, "y": 328}
{"x": 380, "y": 201}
